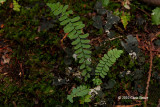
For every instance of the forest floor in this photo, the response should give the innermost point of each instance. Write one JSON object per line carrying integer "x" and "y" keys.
{"x": 38, "y": 66}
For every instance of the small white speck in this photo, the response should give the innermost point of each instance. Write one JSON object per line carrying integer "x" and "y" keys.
{"x": 75, "y": 56}
{"x": 128, "y": 72}
{"x": 133, "y": 55}
{"x": 98, "y": 88}
{"x": 70, "y": 68}
{"x": 107, "y": 31}
{"x": 89, "y": 59}
{"x": 94, "y": 90}
{"x": 59, "y": 80}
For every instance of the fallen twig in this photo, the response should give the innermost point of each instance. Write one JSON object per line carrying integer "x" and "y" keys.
{"x": 149, "y": 46}
{"x": 63, "y": 39}
{"x": 144, "y": 12}
{"x": 149, "y": 73}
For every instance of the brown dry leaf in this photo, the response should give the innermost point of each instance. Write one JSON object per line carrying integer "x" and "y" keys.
{"x": 128, "y": 93}
{"x": 2, "y": 26}
{"x": 5, "y": 73}
{"x": 5, "y": 59}
{"x": 36, "y": 37}
{"x": 126, "y": 4}
{"x": 20, "y": 74}
{"x": 84, "y": 5}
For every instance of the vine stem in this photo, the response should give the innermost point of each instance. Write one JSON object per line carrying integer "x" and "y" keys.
{"x": 149, "y": 74}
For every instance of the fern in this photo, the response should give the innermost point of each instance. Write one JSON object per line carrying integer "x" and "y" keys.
{"x": 107, "y": 61}
{"x": 80, "y": 91}
{"x": 74, "y": 29}
{"x": 73, "y": 26}
{"x": 16, "y": 6}
{"x": 125, "y": 18}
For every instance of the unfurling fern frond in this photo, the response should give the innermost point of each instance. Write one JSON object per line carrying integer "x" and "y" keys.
{"x": 80, "y": 91}
{"x": 107, "y": 61}
{"x": 74, "y": 29}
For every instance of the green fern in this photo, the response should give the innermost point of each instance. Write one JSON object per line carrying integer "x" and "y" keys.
{"x": 74, "y": 29}
{"x": 125, "y": 18}
{"x": 107, "y": 61}
{"x": 80, "y": 91}
{"x": 16, "y": 6}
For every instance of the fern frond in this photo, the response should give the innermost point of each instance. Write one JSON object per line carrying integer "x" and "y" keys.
{"x": 78, "y": 92}
{"x": 107, "y": 61}
{"x": 74, "y": 27}
{"x": 16, "y": 6}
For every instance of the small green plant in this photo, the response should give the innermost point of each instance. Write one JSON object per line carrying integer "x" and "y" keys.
{"x": 74, "y": 29}
{"x": 82, "y": 48}
{"x": 125, "y": 18}
{"x": 97, "y": 81}
{"x": 86, "y": 99}
{"x": 156, "y": 16}
{"x": 80, "y": 91}
{"x": 107, "y": 61}
{"x": 105, "y": 2}
{"x": 16, "y": 6}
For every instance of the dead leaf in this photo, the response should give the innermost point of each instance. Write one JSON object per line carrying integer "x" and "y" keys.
{"x": 126, "y": 4}
{"x": 128, "y": 93}
{"x": 2, "y": 26}
{"x": 5, "y": 59}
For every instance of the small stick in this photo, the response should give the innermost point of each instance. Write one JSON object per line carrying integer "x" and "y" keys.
{"x": 144, "y": 12}
{"x": 149, "y": 74}
{"x": 63, "y": 39}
